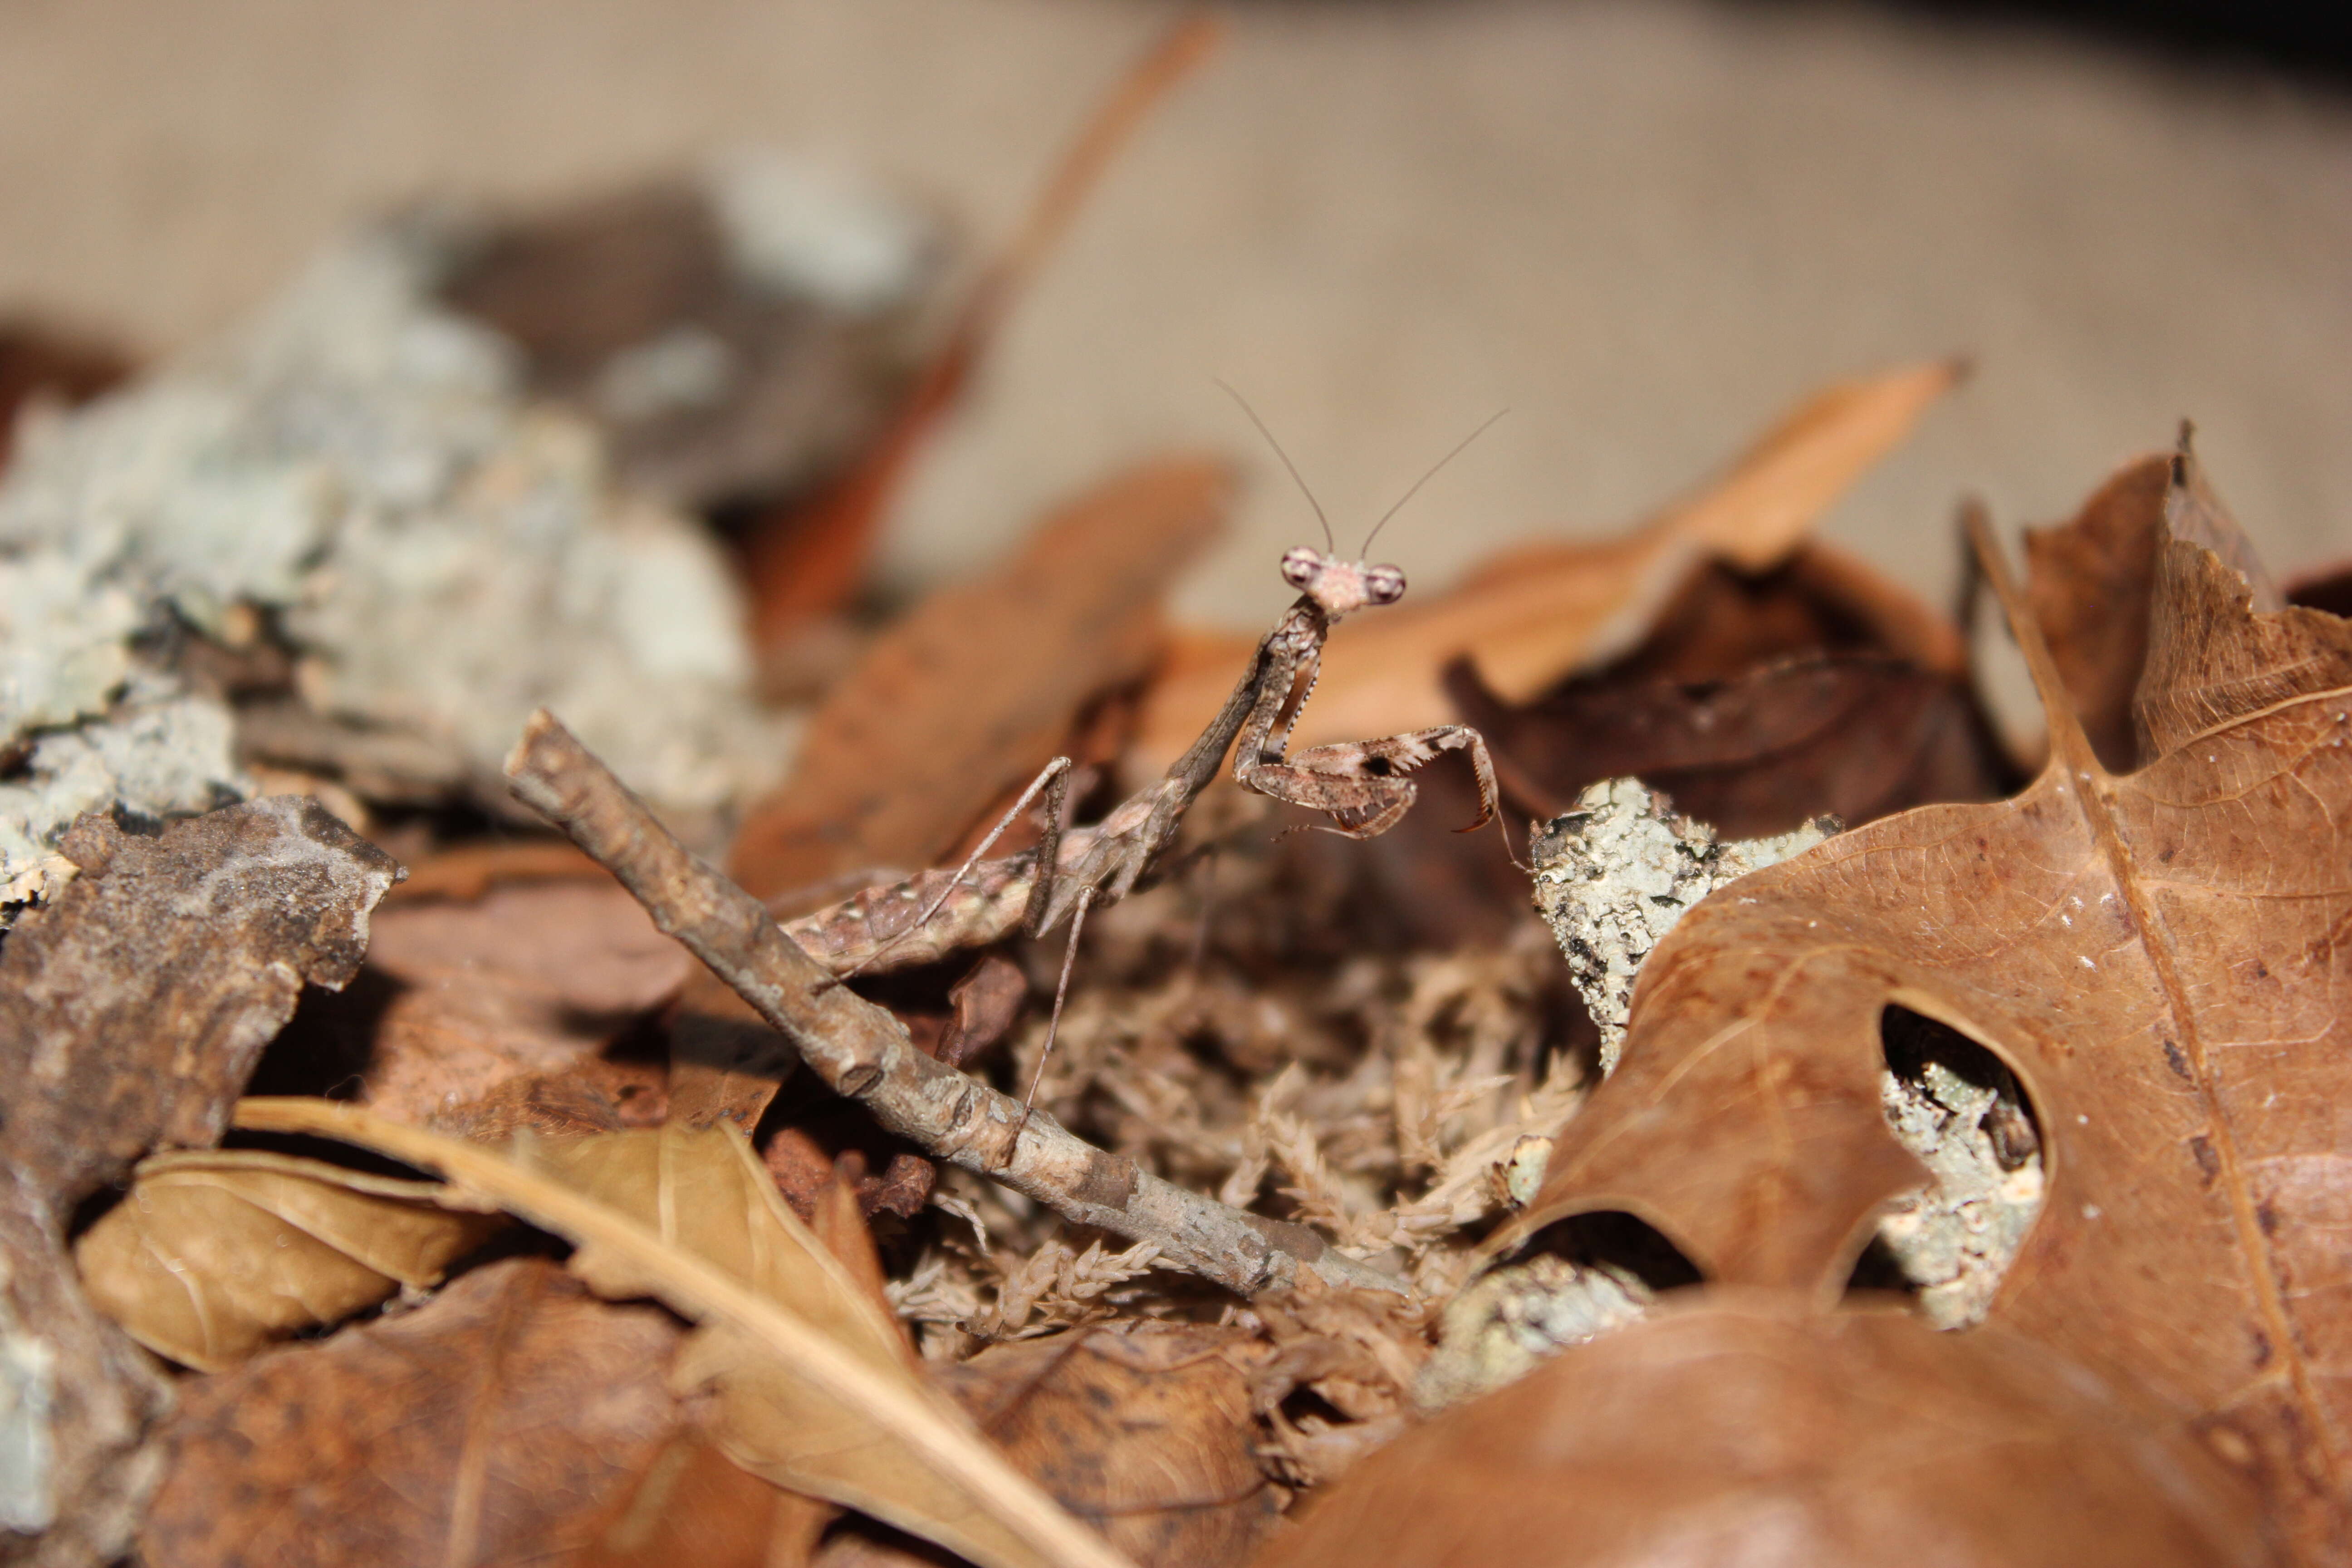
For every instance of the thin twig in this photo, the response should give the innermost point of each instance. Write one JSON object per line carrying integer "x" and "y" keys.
{"x": 864, "y": 1054}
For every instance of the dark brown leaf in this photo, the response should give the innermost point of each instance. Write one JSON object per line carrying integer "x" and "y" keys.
{"x": 2160, "y": 959}
{"x": 1760, "y": 702}
{"x": 496, "y": 1425}
{"x": 1741, "y": 1428}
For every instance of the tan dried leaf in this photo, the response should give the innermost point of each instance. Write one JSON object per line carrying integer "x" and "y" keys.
{"x": 1744, "y": 1427}
{"x": 2160, "y": 958}
{"x": 211, "y": 1256}
{"x": 816, "y": 1388}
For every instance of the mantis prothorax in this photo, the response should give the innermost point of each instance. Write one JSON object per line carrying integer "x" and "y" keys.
{"x": 1363, "y": 786}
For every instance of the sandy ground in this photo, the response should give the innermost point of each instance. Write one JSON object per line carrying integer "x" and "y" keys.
{"x": 1643, "y": 228}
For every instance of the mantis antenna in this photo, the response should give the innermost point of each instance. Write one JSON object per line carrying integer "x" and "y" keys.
{"x": 1237, "y": 397}
{"x": 1424, "y": 478}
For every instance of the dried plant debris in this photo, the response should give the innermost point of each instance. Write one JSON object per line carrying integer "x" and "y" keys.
{"x": 358, "y": 474}
{"x": 1614, "y": 874}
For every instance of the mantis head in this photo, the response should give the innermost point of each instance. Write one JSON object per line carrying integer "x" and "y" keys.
{"x": 1339, "y": 587}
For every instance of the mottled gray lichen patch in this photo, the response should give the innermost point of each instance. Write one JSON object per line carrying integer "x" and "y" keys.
{"x": 1954, "y": 1238}
{"x": 362, "y": 463}
{"x": 1613, "y": 876}
{"x": 1501, "y": 1325}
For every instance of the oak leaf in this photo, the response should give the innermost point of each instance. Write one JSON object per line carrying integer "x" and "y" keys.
{"x": 2158, "y": 956}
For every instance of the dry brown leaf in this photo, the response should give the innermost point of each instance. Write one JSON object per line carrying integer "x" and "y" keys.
{"x": 211, "y": 1255}
{"x": 816, "y": 1389}
{"x": 2088, "y": 582}
{"x": 1532, "y": 616}
{"x": 132, "y": 1009}
{"x": 1142, "y": 1429}
{"x": 491, "y": 1427}
{"x": 461, "y": 997}
{"x": 695, "y": 1504}
{"x": 467, "y": 871}
{"x": 1741, "y": 1428}
{"x": 1759, "y": 702}
{"x": 2161, "y": 959}
{"x": 967, "y": 696}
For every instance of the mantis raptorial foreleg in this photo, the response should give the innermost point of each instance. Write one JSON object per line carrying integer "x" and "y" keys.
{"x": 1362, "y": 785}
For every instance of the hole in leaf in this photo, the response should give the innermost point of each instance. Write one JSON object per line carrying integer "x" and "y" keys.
{"x": 1576, "y": 1280}
{"x": 1958, "y": 1108}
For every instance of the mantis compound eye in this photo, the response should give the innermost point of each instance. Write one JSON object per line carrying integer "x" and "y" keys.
{"x": 1383, "y": 584}
{"x": 1301, "y": 566}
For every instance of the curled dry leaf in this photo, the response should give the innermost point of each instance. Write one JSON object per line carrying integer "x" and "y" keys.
{"x": 2158, "y": 957}
{"x": 816, "y": 1387}
{"x": 211, "y": 1255}
{"x": 1743, "y": 1427}
{"x": 495, "y": 1424}
{"x": 1761, "y": 701}
{"x": 131, "y": 1011}
{"x": 1532, "y": 616}
{"x": 1143, "y": 1429}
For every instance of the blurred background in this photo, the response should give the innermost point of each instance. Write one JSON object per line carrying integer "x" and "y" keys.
{"x": 1643, "y": 228}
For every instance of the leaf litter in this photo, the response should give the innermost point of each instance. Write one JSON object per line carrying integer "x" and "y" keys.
{"x": 1341, "y": 1230}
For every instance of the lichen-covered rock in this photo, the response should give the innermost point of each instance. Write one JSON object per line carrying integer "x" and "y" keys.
{"x": 361, "y": 464}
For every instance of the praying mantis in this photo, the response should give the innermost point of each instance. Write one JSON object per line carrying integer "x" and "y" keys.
{"x": 1363, "y": 786}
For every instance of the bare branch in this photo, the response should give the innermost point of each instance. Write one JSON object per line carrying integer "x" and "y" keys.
{"x": 863, "y": 1053}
